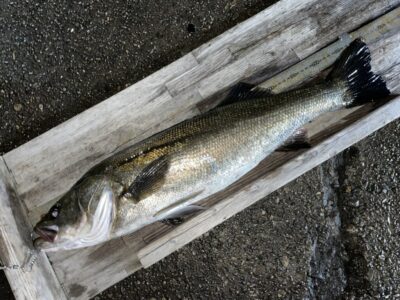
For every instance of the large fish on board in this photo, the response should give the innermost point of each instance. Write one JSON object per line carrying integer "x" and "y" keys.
{"x": 165, "y": 176}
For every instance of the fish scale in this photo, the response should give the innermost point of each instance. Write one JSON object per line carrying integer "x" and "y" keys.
{"x": 166, "y": 175}
{"x": 242, "y": 135}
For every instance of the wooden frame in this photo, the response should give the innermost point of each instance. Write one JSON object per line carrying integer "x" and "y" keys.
{"x": 288, "y": 34}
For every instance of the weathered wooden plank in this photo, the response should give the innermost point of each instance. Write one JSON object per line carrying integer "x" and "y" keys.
{"x": 316, "y": 63}
{"x": 386, "y": 55}
{"x": 306, "y": 30}
{"x": 316, "y": 15}
{"x": 258, "y": 27}
{"x": 267, "y": 183}
{"x": 101, "y": 266}
{"x": 344, "y": 16}
{"x": 269, "y": 58}
{"x": 87, "y": 272}
{"x": 15, "y": 246}
{"x": 204, "y": 69}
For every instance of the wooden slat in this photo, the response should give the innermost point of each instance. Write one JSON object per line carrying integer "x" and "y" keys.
{"x": 47, "y": 166}
{"x": 204, "y": 69}
{"x": 385, "y": 54}
{"x": 264, "y": 45}
{"x": 87, "y": 272}
{"x": 294, "y": 35}
{"x": 320, "y": 17}
{"x": 100, "y": 266}
{"x": 316, "y": 63}
{"x": 15, "y": 244}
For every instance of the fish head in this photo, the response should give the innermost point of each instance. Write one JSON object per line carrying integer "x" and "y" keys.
{"x": 82, "y": 217}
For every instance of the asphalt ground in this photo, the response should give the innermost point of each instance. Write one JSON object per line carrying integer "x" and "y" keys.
{"x": 332, "y": 233}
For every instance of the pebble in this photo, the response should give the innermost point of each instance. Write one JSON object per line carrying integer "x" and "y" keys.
{"x": 285, "y": 261}
{"x": 17, "y": 106}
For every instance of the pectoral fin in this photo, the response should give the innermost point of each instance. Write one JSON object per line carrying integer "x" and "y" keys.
{"x": 180, "y": 208}
{"x": 149, "y": 179}
{"x": 299, "y": 140}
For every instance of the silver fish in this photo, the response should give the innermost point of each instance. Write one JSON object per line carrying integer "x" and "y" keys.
{"x": 165, "y": 176}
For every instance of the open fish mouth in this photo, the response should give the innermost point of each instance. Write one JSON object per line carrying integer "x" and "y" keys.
{"x": 46, "y": 233}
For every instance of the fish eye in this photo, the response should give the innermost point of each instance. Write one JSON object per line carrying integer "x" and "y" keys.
{"x": 55, "y": 211}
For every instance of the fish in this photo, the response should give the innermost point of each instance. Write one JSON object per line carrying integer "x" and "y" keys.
{"x": 164, "y": 177}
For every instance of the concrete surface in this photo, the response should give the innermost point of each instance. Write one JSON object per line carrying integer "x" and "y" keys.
{"x": 332, "y": 233}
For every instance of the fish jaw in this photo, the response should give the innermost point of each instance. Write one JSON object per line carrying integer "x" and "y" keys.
{"x": 92, "y": 228}
{"x": 47, "y": 233}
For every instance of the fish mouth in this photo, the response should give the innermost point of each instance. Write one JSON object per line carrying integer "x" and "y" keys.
{"x": 47, "y": 233}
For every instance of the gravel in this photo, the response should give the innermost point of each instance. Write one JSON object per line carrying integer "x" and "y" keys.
{"x": 332, "y": 233}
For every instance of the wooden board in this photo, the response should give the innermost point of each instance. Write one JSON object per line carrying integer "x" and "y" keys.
{"x": 15, "y": 245}
{"x": 255, "y": 50}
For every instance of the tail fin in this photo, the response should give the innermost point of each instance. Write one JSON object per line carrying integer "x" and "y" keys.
{"x": 354, "y": 68}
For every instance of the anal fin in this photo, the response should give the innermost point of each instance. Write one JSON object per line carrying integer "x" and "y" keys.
{"x": 299, "y": 140}
{"x": 174, "y": 214}
{"x": 173, "y": 221}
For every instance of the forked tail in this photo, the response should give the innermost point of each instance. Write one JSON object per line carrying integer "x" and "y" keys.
{"x": 354, "y": 67}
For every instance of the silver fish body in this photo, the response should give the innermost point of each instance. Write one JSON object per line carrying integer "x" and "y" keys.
{"x": 235, "y": 140}
{"x": 169, "y": 173}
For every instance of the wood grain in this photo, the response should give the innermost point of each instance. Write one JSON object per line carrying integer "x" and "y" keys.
{"x": 255, "y": 50}
{"x": 15, "y": 244}
{"x": 372, "y": 33}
